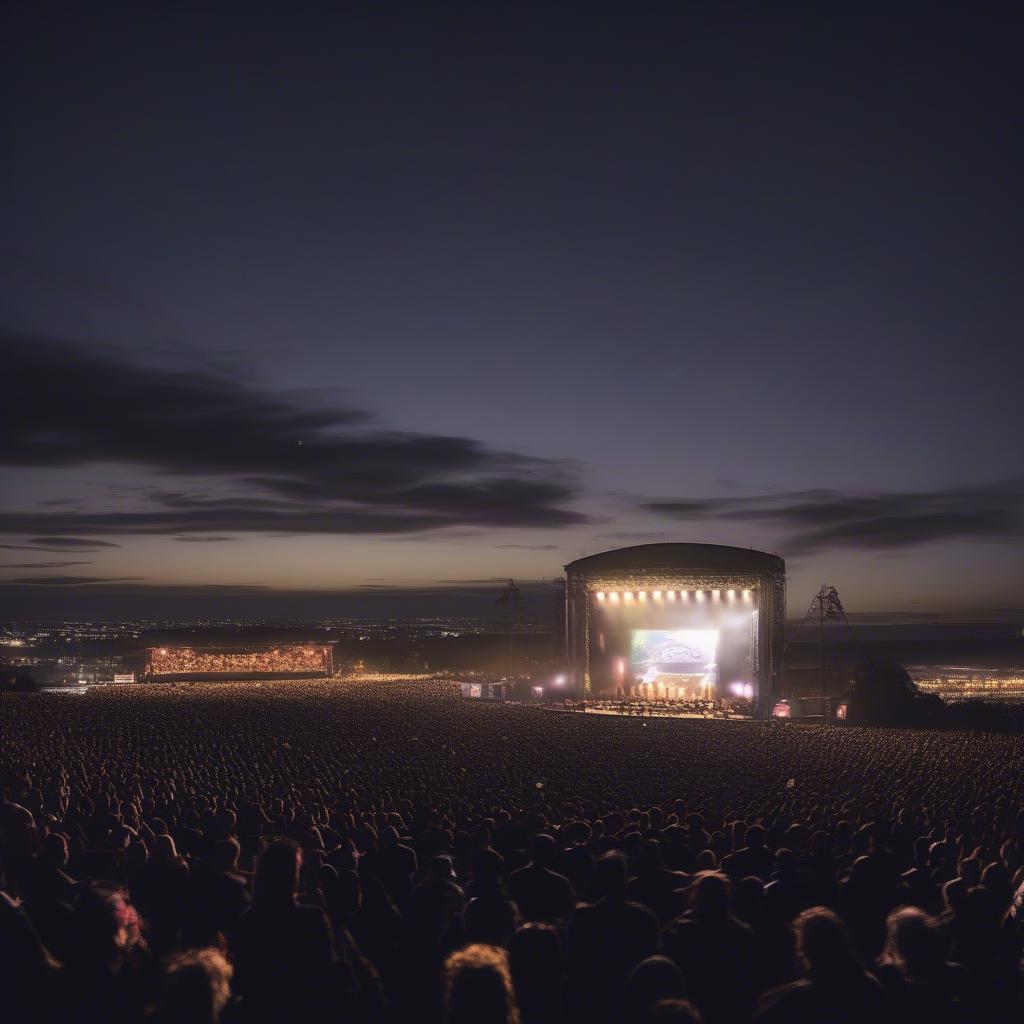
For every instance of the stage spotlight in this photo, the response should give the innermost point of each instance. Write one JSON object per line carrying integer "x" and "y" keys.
{"x": 716, "y": 595}
{"x": 699, "y": 595}
{"x": 642, "y": 595}
{"x": 656, "y": 595}
{"x": 746, "y": 595}
{"x": 628, "y": 595}
{"x": 559, "y": 680}
{"x": 671, "y": 595}
{"x": 600, "y": 595}
{"x": 684, "y": 595}
{"x": 614, "y": 597}
{"x": 731, "y": 594}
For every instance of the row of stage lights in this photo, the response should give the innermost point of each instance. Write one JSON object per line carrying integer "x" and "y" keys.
{"x": 629, "y": 596}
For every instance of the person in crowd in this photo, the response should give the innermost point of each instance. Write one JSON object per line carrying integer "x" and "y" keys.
{"x": 478, "y": 987}
{"x": 541, "y": 893}
{"x": 652, "y": 980}
{"x": 706, "y": 942}
{"x": 835, "y": 986}
{"x": 606, "y": 939}
{"x": 194, "y": 988}
{"x": 538, "y": 971}
{"x": 921, "y": 983}
{"x": 283, "y": 951}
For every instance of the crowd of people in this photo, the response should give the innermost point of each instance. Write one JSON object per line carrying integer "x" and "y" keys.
{"x": 294, "y": 660}
{"x": 668, "y": 707}
{"x": 387, "y": 851}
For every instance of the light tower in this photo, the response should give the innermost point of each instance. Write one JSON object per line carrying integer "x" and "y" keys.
{"x": 511, "y": 595}
{"x": 825, "y": 607}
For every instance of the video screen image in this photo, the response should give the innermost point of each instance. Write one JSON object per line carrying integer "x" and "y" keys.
{"x": 683, "y": 658}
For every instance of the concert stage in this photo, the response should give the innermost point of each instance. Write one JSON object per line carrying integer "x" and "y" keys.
{"x": 677, "y": 622}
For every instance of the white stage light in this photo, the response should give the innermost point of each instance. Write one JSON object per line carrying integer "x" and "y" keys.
{"x": 731, "y": 594}
{"x": 699, "y": 595}
{"x": 614, "y": 596}
{"x": 656, "y": 595}
{"x": 642, "y": 595}
{"x": 600, "y": 595}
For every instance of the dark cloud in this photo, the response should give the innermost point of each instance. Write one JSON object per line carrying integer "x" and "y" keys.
{"x": 634, "y": 535}
{"x": 69, "y": 581}
{"x": 291, "y": 465}
{"x": 40, "y": 565}
{"x": 201, "y": 538}
{"x": 821, "y": 519}
{"x": 139, "y": 600}
{"x": 57, "y": 543}
{"x": 527, "y": 547}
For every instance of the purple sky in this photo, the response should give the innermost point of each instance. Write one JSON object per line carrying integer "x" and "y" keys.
{"x": 342, "y": 302}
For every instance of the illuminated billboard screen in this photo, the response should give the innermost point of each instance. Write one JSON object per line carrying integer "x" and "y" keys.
{"x": 683, "y": 657}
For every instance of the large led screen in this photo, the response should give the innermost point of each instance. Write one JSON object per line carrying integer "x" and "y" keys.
{"x": 675, "y": 655}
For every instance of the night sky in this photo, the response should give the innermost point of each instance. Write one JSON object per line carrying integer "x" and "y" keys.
{"x": 352, "y": 300}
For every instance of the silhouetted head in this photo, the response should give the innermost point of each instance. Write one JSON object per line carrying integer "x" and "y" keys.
{"x": 486, "y": 866}
{"x": 824, "y": 945}
{"x": 535, "y": 956}
{"x": 756, "y": 837}
{"x": 543, "y": 850}
{"x": 650, "y": 856}
{"x": 478, "y": 987}
{"x": 104, "y": 924}
{"x": 611, "y": 876}
{"x": 194, "y": 988}
{"x": 710, "y": 894}
{"x": 652, "y": 980}
{"x": 440, "y": 869}
{"x": 277, "y": 875}
{"x": 226, "y": 853}
{"x": 54, "y": 853}
{"x": 164, "y": 848}
{"x": 914, "y": 943}
{"x": 706, "y": 861}
{"x": 785, "y": 863}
